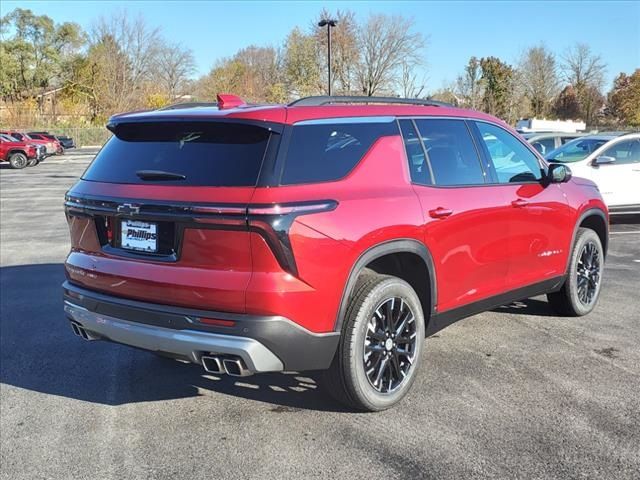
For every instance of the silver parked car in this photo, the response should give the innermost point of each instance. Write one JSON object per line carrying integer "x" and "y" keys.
{"x": 544, "y": 142}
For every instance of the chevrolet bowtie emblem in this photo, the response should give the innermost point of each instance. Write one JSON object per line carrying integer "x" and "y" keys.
{"x": 129, "y": 208}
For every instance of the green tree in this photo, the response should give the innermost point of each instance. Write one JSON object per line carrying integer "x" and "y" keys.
{"x": 624, "y": 99}
{"x": 497, "y": 78}
{"x": 38, "y": 54}
{"x": 302, "y": 71}
{"x": 566, "y": 105}
{"x": 254, "y": 73}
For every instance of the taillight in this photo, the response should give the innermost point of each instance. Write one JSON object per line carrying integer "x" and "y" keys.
{"x": 273, "y": 222}
{"x": 297, "y": 208}
{"x": 109, "y": 225}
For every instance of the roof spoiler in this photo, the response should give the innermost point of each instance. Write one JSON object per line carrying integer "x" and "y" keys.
{"x": 226, "y": 100}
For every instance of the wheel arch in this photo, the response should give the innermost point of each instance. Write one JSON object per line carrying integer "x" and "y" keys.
{"x": 596, "y": 220}
{"x": 400, "y": 250}
{"x": 17, "y": 150}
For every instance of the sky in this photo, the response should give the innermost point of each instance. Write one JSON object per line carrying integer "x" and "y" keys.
{"x": 455, "y": 30}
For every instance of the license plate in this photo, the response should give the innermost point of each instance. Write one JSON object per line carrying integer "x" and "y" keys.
{"x": 140, "y": 236}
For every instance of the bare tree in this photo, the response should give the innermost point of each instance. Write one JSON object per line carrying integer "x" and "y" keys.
{"x": 174, "y": 68}
{"x": 538, "y": 77}
{"x": 582, "y": 67}
{"x": 385, "y": 43}
{"x": 469, "y": 85}
{"x": 124, "y": 55}
{"x": 411, "y": 86}
{"x": 344, "y": 49}
{"x": 585, "y": 70}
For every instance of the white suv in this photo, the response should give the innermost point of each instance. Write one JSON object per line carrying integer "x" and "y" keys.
{"x": 612, "y": 161}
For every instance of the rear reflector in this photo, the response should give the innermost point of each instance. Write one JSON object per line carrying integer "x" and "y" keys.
{"x": 217, "y": 322}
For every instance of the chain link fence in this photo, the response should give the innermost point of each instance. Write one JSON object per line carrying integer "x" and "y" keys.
{"x": 82, "y": 136}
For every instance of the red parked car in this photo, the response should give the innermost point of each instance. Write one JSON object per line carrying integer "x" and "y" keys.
{"x": 321, "y": 235}
{"x": 59, "y": 149}
{"x": 19, "y": 154}
{"x": 51, "y": 148}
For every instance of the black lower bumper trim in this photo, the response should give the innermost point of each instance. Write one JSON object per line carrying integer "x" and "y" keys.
{"x": 297, "y": 348}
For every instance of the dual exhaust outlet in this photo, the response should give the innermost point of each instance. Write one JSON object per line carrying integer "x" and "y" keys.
{"x": 229, "y": 364}
{"x": 217, "y": 364}
{"x": 81, "y": 332}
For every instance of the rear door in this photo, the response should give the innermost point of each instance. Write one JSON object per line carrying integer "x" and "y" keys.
{"x": 538, "y": 213}
{"x": 619, "y": 181}
{"x": 465, "y": 227}
{"x": 160, "y": 214}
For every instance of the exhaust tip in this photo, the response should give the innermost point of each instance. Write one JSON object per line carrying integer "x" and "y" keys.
{"x": 235, "y": 367}
{"x": 212, "y": 364}
{"x": 76, "y": 330}
{"x": 81, "y": 332}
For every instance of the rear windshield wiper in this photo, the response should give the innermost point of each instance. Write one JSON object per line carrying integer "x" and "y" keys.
{"x": 159, "y": 175}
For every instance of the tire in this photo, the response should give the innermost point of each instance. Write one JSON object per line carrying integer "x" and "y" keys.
{"x": 363, "y": 333}
{"x": 32, "y": 162}
{"x": 579, "y": 294}
{"x": 18, "y": 160}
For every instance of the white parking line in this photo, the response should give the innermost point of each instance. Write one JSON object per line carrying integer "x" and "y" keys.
{"x": 624, "y": 233}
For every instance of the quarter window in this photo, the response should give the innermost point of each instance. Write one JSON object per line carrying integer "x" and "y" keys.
{"x": 450, "y": 152}
{"x": 418, "y": 166}
{"x": 512, "y": 161}
{"x": 323, "y": 152}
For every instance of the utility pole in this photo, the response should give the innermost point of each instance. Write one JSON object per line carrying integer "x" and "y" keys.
{"x": 328, "y": 23}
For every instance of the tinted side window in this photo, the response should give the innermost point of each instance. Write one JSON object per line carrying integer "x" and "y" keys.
{"x": 624, "y": 152}
{"x": 512, "y": 161}
{"x": 450, "y": 152}
{"x": 418, "y": 166}
{"x": 322, "y": 152}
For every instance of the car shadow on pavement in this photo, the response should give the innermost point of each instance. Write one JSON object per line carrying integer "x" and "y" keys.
{"x": 39, "y": 352}
{"x": 530, "y": 306}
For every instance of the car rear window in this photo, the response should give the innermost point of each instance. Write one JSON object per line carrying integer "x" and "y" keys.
{"x": 206, "y": 154}
{"x": 323, "y": 151}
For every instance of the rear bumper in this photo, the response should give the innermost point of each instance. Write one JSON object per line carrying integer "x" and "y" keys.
{"x": 265, "y": 343}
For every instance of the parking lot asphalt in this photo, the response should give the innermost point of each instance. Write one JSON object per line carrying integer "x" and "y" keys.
{"x": 512, "y": 393}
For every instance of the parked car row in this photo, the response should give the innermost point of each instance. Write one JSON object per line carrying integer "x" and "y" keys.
{"x": 27, "y": 149}
{"x": 610, "y": 159}
{"x": 20, "y": 154}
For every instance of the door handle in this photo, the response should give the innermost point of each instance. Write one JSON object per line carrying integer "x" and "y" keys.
{"x": 519, "y": 203}
{"x": 440, "y": 212}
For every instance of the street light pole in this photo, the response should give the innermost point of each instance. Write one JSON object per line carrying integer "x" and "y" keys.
{"x": 328, "y": 23}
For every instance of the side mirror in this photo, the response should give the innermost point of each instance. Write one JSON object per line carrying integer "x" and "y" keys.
{"x": 603, "y": 160}
{"x": 559, "y": 173}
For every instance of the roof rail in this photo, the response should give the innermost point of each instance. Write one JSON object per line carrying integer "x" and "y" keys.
{"x": 328, "y": 100}
{"x": 177, "y": 106}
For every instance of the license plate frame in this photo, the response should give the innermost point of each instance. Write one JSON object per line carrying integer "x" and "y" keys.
{"x": 139, "y": 236}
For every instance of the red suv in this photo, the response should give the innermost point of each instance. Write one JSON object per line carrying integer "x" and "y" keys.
{"x": 320, "y": 235}
{"x": 19, "y": 154}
